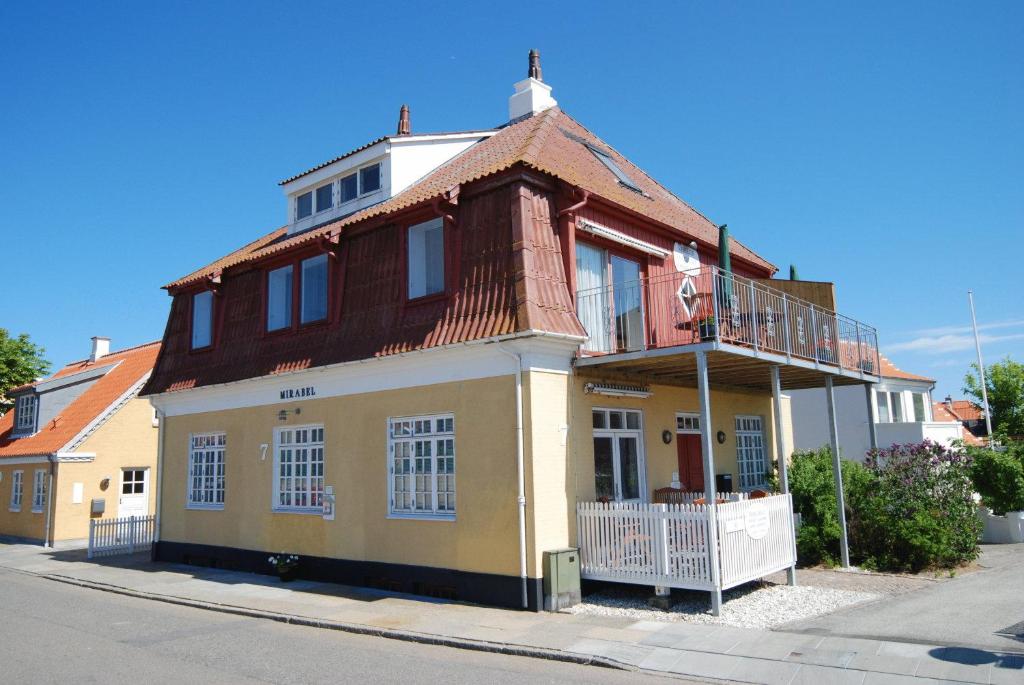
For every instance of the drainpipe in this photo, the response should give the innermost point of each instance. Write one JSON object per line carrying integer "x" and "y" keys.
{"x": 49, "y": 500}
{"x": 159, "y": 476}
{"x": 578, "y": 205}
{"x": 520, "y": 474}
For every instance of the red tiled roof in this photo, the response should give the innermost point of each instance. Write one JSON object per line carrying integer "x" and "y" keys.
{"x": 889, "y": 370}
{"x": 965, "y": 410}
{"x": 940, "y": 412}
{"x": 128, "y": 367}
{"x": 547, "y": 142}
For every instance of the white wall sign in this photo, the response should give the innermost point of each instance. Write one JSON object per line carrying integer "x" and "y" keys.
{"x": 76, "y": 493}
{"x": 756, "y": 521}
{"x": 685, "y": 258}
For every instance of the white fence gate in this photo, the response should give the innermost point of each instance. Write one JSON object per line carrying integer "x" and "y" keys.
{"x": 108, "y": 537}
{"x": 667, "y": 544}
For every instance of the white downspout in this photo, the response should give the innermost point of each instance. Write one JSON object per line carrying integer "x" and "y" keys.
{"x": 49, "y": 500}
{"x": 159, "y": 474}
{"x": 520, "y": 474}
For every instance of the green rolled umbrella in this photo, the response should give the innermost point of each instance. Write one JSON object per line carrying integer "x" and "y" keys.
{"x": 725, "y": 265}
{"x": 792, "y": 273}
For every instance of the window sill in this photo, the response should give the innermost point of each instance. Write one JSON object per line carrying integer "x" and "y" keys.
{"x": 318, "y": 511}
{"x": 37, "y": 511}
{"x": 204, "y": 507}
{"x": 421, "y": 517}
{"x": 426, "y": 299}
{"x": 13, "y": 510}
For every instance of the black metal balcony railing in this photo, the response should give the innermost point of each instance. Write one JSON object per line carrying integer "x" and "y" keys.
{"x": 710, "y": 304}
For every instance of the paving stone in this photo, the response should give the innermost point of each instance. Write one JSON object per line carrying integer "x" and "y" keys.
{"x": 885, "y": 663}
{"x": 821, "y": 657}
{"x": 809, "y": 674}
{"x": 763, "y": 671}
{"x": 893, "y": 679}
{"x": 850, "y": 644}
{"x": 661, "y": 659}
{"x": 951, "y": 670}
{"x": 907, "y": 649}
{"x": 704, "y": 665}
{"x": 624, "y": 653}
{"x": 768, "y": 648}
{"x": 1007, "y": 669}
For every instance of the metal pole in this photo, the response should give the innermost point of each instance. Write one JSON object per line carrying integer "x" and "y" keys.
{"x": 704, "y": 400}
{"x": 780, "y": 453}
{"x": 837, "y": 470}
{"x": 981, "y": 370}
{"x": 869, "y": 390}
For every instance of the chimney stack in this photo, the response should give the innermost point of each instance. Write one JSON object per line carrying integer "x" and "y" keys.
{"x": 949, "y": 401}
{"x": 404, "y": 127}
{"x": 100, "y": 348}
{"x": 532, "y": 95}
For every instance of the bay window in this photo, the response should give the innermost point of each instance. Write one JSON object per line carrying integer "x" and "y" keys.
{"x": 206, "y": 471}
{"x": 202, "y": 320}
{"x": 421, "y": 450}
{"x": 426, "y": 258}
{"x": 299, "y": 469}
{"x": 279, "y": 298}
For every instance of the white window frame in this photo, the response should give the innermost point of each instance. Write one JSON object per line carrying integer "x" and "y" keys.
{"x": 289, "y": 302}
{"x": 209, "y": 320}
{"x": 311, "y": 478}
{"x": 882, "y": 399}
{"x": 38, "y": 491}
{"x": 408, "y": 430}
{"x": 688, "y": 422}
{"x": 751, "y": 480}
{"x": 380, "y": 179}
{"x": 424, "y": 226}
{"x": 25, "y": 414}
{"x": 613, "y": 433}
{"x": 312, "y": 204}
{"x": 211, "y": 448}
{"x": 322, "y": 257}
{"x": 17, "y": 490}
{"x": 317, "y": 209}
{"x": 925, "y": 406}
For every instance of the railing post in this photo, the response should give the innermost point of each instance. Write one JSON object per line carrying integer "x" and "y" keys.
{"x": 661, "y": 540}
{"x": 860, "y": 352}
{"x": 131, "y": 535}
{"x": 785, "y": 321}
{"x": 814, "y": 336}
{"x": 714, "y": 304}
{"x": 753, "y": 314}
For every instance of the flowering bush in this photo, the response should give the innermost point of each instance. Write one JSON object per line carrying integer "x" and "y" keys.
{"x": 999, "y": 478}
{"x": 283, "y": 563}
{"x": 919, "y": 511}
{"x": 908, "y": 508}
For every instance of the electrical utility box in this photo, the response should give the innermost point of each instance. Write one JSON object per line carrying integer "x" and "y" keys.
{"x": 561, "y": 579}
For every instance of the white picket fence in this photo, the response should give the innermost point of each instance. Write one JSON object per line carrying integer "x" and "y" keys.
{"x": 108, "y": 537}
{"x": 667, "y": 544}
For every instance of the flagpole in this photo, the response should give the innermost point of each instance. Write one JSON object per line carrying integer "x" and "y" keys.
{"x": 981, "y": 370}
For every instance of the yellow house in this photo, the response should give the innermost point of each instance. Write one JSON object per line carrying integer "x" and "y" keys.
{"x": 77, "y": 446}
{"x": 457, "y": 343}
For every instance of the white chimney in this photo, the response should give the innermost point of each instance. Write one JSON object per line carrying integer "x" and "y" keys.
{"x": 100, "y": 348}
{"x": 532, "y": 94}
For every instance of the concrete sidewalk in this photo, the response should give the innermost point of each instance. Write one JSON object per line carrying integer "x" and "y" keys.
{"x": 683, "y": 649}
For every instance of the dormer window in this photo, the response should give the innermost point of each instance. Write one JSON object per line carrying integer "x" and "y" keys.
{"x": 279, "y": 298}
{"x": 304, "y": 205}
{"x": 325, "y": 197}
{"x": 349, "y": 188}
{"x": 369, "y": 179}
{"x": 314, "y": 289}
{"x": 25, "y": 414}
{"x": 426, "y": 258}
{"x": 202, "y": 319}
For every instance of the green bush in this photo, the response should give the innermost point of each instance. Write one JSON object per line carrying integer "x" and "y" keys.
{"x": 999, "y": 478}
{"x": 907, "y": 508}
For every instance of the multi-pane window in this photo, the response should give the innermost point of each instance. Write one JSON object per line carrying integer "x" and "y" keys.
{"x": 206, "y": 471}
{"x": 896, "y": 407}
{"x": 38, "y": 490}
{"x": 426, "y": 258}
{"x": 16, "y": 490}
{"x": 313, "y": 305}
{"x": 299, "y": 469}
{"x": 25, "y": 413}
{"x": 325, "y": 197}
{"x": 202, "y": 319}
{"x": 883, "y": 406}
{"x": 750, "y": 454}
{"x": 422, "y": 453}
{"x": 304, "y": 205}
{"x": 349, "y": 188}
{"x": 279, "y": 298}
{"x": 919, "y": 407}
{"x": 688, "y": 423}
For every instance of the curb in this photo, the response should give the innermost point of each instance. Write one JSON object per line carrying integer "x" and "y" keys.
{"x": 355, "y": 628}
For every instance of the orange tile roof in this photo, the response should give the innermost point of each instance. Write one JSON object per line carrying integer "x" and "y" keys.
{"x": 547, "y": 142}
{"x": 940, "y": 412}
{"x": 966, "y": 410}
{"x": 890, "y": 370}
{"x": 128, "y": 367}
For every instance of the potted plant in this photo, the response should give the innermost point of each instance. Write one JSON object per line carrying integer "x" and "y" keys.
{"x": 285, "y": 565}
{"x": 707, "y": 328}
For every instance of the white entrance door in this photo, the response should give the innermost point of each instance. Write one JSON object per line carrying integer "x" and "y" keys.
{"x": 618, "y": 456}
{"x": 134, "y": 499}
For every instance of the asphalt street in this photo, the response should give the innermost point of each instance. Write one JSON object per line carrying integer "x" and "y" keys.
{"x": 52, "y": 632}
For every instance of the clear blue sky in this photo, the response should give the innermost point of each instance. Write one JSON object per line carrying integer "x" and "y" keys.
{"x": 879, "y": 147}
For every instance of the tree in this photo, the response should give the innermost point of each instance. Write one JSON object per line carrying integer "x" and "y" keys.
{"x": 1004, "y": 382}
{"x": 21, "y": 362}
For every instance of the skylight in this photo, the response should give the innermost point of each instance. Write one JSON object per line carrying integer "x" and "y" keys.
{"x": 607, "y": 160}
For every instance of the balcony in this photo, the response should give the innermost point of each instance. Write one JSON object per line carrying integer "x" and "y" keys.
{"x": 634, "y": 323}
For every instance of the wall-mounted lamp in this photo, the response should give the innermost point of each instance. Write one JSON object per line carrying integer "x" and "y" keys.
{"x": 721, "y": 437}
{"x": 282, "y": 415}
{"x": 666, "y": 436}
{"x": 104, "y": 482}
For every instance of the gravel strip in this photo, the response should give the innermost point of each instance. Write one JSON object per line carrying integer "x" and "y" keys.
{"x": 751, "y": 606}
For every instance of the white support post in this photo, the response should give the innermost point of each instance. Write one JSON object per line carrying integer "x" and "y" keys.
{"x": 780, "y": 455}
{"x": 704, "y": 400}
{"x": 872, "y": 419}
{"x": 837, "y": 470}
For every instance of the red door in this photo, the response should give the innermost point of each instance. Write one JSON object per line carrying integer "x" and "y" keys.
{"x": 691, "y": 462}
